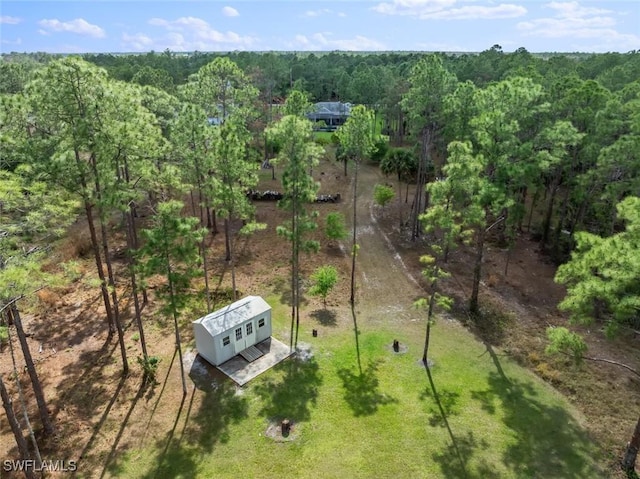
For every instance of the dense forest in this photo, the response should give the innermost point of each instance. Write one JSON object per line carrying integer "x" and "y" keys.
{"x": 492, "y": 146}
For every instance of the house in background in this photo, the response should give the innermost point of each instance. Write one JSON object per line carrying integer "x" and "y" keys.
{"x": 331, "y": 113}
{"x": 233, "y": 330}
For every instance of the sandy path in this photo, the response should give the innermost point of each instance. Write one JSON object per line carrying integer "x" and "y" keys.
{"x": 385, "y": 288}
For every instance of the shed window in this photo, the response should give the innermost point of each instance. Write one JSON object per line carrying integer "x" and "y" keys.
{"x": 249, "y": 329}
{"x": 226, "y": 341}
{"x": 238, "y": 334}
{"x": 261, "y": 322}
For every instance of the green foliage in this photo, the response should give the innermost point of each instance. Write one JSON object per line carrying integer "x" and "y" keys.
{"x": 4, "y": 334}
{"x": 382, "y": 194}
{"x": 149, "y": 367}
{"x": 21, "y": 274}
{"x": 456, "y": 207}
{"x": 221, "y": 88}
{"x": 297, "y": 104}
{"x": 381, "y": 148}
{"x": 429, "y": 83}
{"x": 602, "y": 275}
{"x": 298, "y": 154}
{"x": 154, "y": 77}
{"x": 561, "y": 340}
{"x": 400, "y": 161}
{"x": 324, "y": 278}
{"x": 335, "y": 228}
{"x": 72, "y": 270}
{"x": 357, "y": 136}
{"x": 172, "y": 250}
{"x": 31, "y": 209}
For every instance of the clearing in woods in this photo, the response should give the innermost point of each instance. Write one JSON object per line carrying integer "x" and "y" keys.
{"x": 357, "y": 408}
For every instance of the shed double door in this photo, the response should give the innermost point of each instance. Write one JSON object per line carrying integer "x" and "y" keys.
{"x": 245, "y": 336}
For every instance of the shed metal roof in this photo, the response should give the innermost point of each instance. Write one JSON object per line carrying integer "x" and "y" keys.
{"x": 236, "y": 313}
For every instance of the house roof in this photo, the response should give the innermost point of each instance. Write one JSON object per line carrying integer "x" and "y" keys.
{"x": 331, "y": 108}
{"x": 236, "y": 313}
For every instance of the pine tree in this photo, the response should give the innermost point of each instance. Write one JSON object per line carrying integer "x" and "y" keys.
{"x": 172, "y": 250}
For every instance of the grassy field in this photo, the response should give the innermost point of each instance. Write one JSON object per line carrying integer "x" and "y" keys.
{"x": 361, "y": 411}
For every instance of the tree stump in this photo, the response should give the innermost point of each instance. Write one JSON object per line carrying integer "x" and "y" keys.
{"x": 396, "y": 345}
{"x": 286, "y": 427}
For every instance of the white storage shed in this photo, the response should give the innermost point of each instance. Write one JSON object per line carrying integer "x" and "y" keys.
{"x": 228, "y": 331}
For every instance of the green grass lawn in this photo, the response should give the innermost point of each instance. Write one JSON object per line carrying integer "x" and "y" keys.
{"x": 376, "y": 414}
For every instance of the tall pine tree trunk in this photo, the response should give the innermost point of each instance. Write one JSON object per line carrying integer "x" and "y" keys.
{"x": 175, "y": 324}
{"x": 534, "y": 201}
{"x": 134, "y": 284}
{"x": 134, "y": 229}
{"x": 33, "y": 375}
{"x": 354, "y": 244}
{"x": 477, "y": 270}
{"x": 546, "y": 225}
{"x": 88, "y": 208}
{"x": 203, "y": 252}
{"x": 98, "y": 259}
{"x": 15, "y": 428}
{"x": 631, "y": 453}
{"x": 227, "y": 244}
{"x": 231, "y": 259}
{"x": 23, "y": 404}
{"x": 294, "y": 247}
{"x": 114, "y": 297}
{"x": 107, "y": 258}
{"x": 420, "y": 199}
{"x": 427, "y": 337}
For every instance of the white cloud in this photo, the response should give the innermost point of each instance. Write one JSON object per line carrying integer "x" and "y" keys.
{"x": 574, "y": 9}
{"x": 78, "y": 25}
{"x": 447, "y": 10}
{"x": 230, "y": 12}
{"x": 323, "y": 41}
{"x": 413, "y": 7}
{"x": 10, "y": 20}
{"x": 17, "y": 41}
{"x": 137, "y": 42}
{"x": 571, "y": 20}
{"x": 477, "y": 12}
{"x": 192, "y": 33}
{"x": 442, "y": 47}
{"x": 317, "y": 13}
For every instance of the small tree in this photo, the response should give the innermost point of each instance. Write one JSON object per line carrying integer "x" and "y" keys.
{"x": 172, "y": 250}
{"x": 335, "y": 228}
{"x": 382, "y": 195}
{"x": 325, "y": 278}
{"x": 358, "y": 140}
{"x": 298, "y": 153}
{"x": 432, "y": 273}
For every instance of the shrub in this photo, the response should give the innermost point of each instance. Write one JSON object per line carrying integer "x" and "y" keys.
{"x": 4, "y": 335}
{"x": 382, "y": 194}
{"x": 325, "y": 278}
{"x": 382, "y": 146}
{"x": 335, "y": 228}
{"x": 72, "y": 270}
{"x": 149, "y": 367}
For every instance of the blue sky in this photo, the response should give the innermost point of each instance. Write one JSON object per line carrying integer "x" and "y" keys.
{"x": 429, "y": 25}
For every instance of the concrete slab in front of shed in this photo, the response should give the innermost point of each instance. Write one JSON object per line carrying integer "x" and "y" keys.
{"x": 242, "y": 371}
